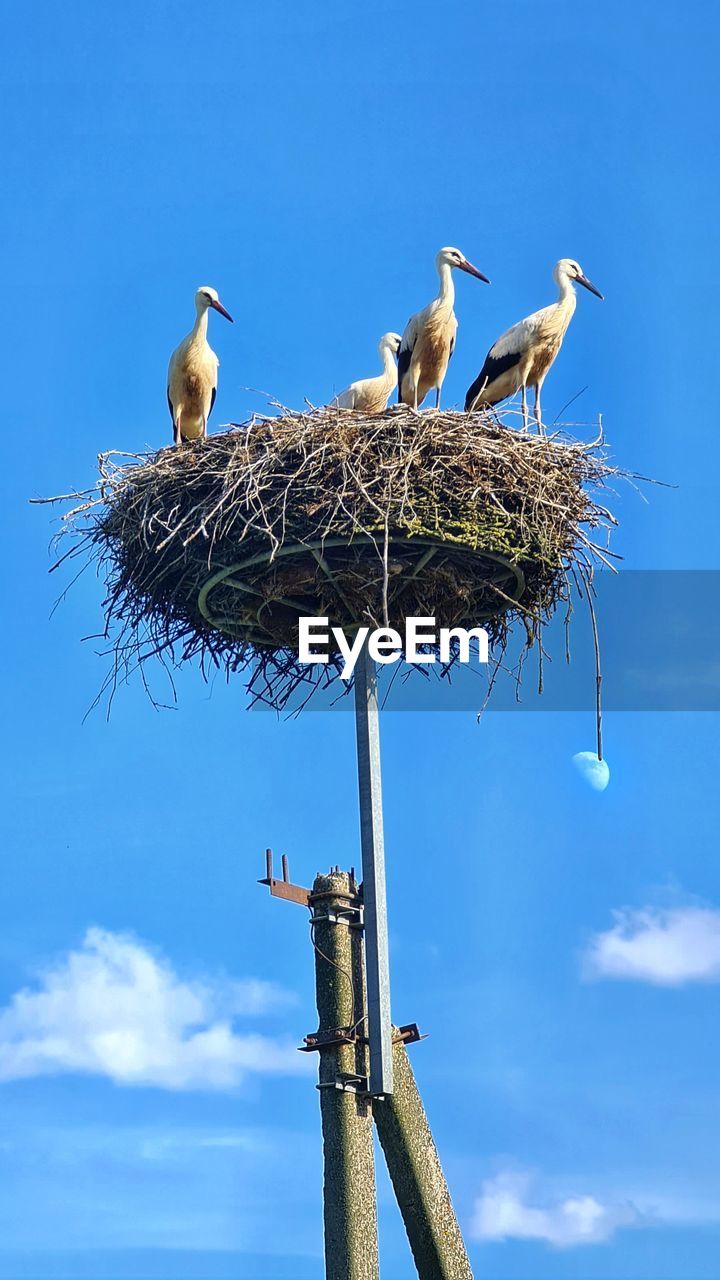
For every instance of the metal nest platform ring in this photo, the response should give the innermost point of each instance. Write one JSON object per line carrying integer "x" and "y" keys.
{"x": 249, "y": 600}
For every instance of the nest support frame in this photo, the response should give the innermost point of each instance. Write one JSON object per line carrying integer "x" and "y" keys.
{"x": 250, "y": 622}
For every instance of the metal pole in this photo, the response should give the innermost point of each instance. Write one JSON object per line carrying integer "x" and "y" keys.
{"x": 373, "y": 866}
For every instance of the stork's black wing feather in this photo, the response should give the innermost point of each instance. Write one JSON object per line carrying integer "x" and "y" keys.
{"x": 212, "y": 400}
{"x": 172, "y": 414}
{"x": 493, "y": 367}
{"x": 404, "y": 358}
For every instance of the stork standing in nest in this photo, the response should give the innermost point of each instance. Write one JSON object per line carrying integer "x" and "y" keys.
{"x": 370, "y": 395}
{"x": 522, "y": 356}
{"x": 193, "y": 373}
{"x": 429, "y": 338}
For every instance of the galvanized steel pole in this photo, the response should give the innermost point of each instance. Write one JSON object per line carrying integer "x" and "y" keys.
{"x": 377, "y": 966}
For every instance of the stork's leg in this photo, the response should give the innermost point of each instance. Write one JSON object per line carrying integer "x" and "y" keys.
{"x": 524, "y": 407}
{"x": 415, "y": 376}
{"x": 203, "y": 433}
{"x": 536, "y": 409}
{"x": 177, "y": 435}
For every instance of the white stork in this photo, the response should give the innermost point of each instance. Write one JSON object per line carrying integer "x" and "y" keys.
{"x": 192, "y": 375}
{"x": 522, "y": 356}
{"x": 370, "y": 395}
{"x": 429, "y": 338}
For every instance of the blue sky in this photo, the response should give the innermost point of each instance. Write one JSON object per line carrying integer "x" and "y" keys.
{"x": 155, "y": 1120}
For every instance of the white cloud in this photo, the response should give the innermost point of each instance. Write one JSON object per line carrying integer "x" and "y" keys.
{"x": 502, "y": 1212}
{"x": 113, "y": 1008}
{"x": 666, "y": 946}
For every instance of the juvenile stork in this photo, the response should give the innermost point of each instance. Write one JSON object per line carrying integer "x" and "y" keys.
{"x": 429, "y": 338}
{"x": 522, "y": 356}
{"x": 192, "y": 375}
{"x": 370, "y": 395}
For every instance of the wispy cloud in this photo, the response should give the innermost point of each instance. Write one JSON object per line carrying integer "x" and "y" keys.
{"x": 666, "y": 946}
{"x": 503, "y": 1211}
{"x": 115, "y": 1008}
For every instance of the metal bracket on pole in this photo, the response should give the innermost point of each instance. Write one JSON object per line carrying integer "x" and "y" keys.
{"x": 283, "y": 888}
{"x": 319, "y": 1040}
{"x": 346, "y": 1084}
{"x": 373, "y": 867}
{"x": 352, "y": 917}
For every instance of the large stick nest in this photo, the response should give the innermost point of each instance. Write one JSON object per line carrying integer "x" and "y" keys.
{"x": 214, "y": 550}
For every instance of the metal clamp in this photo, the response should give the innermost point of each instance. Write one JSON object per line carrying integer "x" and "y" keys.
{"x": 338, "y": 1036}
{"x": 330, "y": 1039}
{"x": 346, "y": 1084}
{"x": 352, "y": 917}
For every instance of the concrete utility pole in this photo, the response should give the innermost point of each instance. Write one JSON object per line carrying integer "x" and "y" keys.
{"x": 348, "y": 1110}
{"x": 350, "y": 1213}
{"x": 418, "y": 1180}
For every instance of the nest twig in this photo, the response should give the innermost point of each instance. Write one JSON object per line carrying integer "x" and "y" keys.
{"x": 212, "y": 551}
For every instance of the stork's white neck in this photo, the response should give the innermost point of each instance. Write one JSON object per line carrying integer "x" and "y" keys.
{"x": 447, "y": 284}
{"x": 388, "y": 359}
{"x": 566, "y": 291}
{"x": 201, "y": 323}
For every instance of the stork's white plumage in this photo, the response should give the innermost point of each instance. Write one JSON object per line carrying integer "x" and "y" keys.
{"x": 370, "y": 395}
{"x": 429, "y": 338}
{"x": 522, "y": 356}
{"x": 192, "y": 375}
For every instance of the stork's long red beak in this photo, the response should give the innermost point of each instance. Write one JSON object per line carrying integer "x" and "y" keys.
{"x": 588, "y": 284}
{"x": 218, "y": 306}
{"x": 473, "y": 271}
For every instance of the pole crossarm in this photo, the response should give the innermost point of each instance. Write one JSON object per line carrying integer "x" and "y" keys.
{"x": 283, "y": 888}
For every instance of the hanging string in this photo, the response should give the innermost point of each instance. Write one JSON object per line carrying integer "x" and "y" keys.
{"x": 586, "y": 576}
